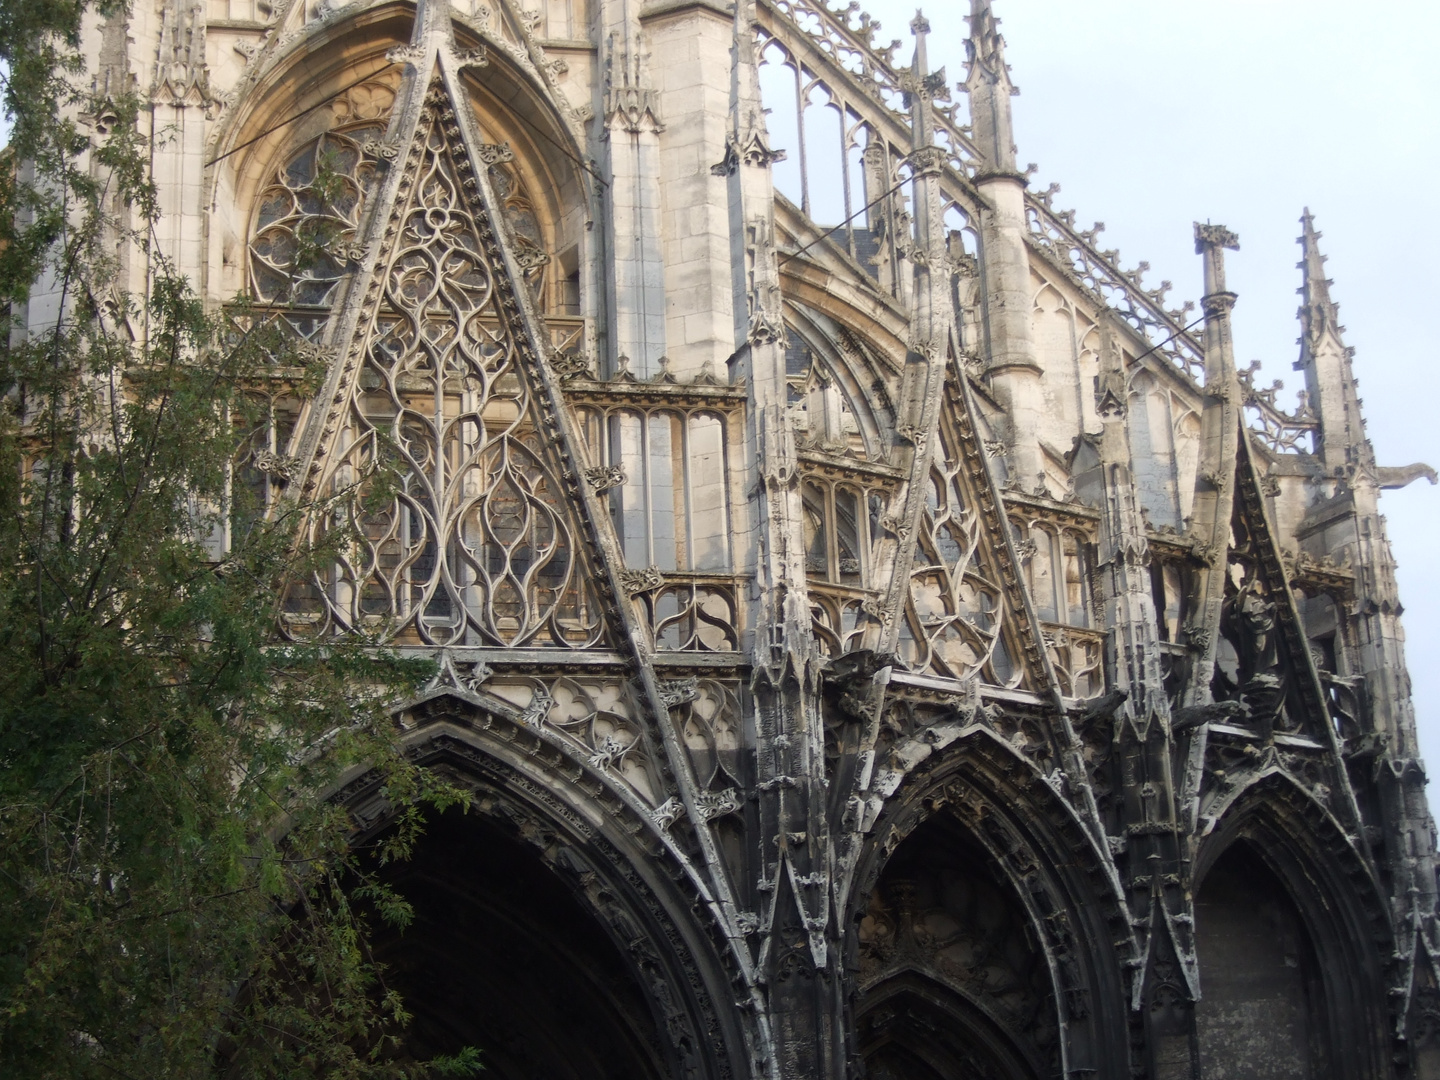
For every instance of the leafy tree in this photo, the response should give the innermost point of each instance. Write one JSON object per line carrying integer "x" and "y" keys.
{"x": 177, "y": 897}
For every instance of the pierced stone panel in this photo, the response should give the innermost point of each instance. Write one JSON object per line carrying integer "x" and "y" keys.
{"x": 597, "y": 713}
{"x": 954, "y": 619}
{"x": 452, "y": 525}
{"x": 692, "y": 614}
{"x": 708, "y": 714}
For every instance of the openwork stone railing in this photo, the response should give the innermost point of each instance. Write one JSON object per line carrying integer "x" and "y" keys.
{"x": 840, "y": 45}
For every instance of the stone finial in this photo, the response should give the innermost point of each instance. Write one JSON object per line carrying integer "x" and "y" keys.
{"x": 987, "y": 81}
{"x": 1211, "y": 241}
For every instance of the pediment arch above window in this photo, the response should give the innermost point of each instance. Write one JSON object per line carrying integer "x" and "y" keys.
{"x": 840, "y": 399}
{"x": 337, "y": 85}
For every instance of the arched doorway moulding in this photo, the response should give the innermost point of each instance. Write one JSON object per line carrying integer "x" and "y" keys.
{"x": 1052, "y": 868}
{"x": 1334, "y": 888}
{"x": 603, "y": 844}
{"x": 955, "y": 1018}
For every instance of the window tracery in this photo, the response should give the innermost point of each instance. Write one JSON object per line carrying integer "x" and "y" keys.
{"x": 953, "y": 623}
{"x": 308, "y": 216}
{"x": 841, "y": 526}
{"x": 307, "y": 220}
{"x": 452, "y": 525}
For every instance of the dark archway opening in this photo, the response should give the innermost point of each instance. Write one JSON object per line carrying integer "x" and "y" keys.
{"x": 1261, "y": 1010}
{"x": 504, "y": 957}
{"x": 951, "y": 981}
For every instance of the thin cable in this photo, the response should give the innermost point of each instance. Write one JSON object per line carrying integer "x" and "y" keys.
{"x": 1169, "y": 339}
{"x": 539, "y": 131}
{"x": 852, "y": 217}
{"x": 297, "y": 116}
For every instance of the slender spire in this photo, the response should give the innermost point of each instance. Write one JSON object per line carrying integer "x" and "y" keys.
{"x": 987, "y": 80}
{"x": 1318, "y": 310}
{"x": 1219, "y": 445}
{"x": 1348, "y": 458}
{"x": 1325, "y": 361}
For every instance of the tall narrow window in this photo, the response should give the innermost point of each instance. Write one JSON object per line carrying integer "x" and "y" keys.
{"x": 670, "y": 510}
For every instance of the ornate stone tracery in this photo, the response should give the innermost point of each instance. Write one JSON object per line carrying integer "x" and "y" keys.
{"x": 475, "y": 546}
{"x": 857, "y": 590}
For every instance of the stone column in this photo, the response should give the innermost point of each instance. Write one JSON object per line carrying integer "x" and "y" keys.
{"x": 635, "y": 282}
{"x": 1012, "y": 365}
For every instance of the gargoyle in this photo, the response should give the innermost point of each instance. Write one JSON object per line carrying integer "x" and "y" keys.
{"x": 1391, "y": 479}
{"x": 1101, "y": 708}
{"x": 1195, "y": 715}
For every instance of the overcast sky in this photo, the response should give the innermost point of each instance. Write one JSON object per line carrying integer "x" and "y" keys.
{"x": 1152, "y": 114}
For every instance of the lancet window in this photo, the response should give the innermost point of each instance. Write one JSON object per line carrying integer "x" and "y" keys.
{"x": 840, "y": 520}
{"x": 841, "y": 526}
{"x": 666, "y": 471}
{"x": 840, "y": 165}
{"x": 823, "y": 136}
{"x": 1169, "y": 589}
{"x": 1058, "y": 569}
{"x": 264, "y": 466}
{"x": 1058, "y": 564}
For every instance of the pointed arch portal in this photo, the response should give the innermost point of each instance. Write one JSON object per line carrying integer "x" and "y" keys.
{"x": 952, "y": 984}
{"x": 503, "y": 957}
{"x": 1261, "y": 1012}
{"x": 554, "y": 928}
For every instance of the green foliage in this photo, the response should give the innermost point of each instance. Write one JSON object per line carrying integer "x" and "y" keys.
{"x": 177, "y": 896}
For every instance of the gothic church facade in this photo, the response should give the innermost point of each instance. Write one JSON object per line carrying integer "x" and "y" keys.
{"x": 883, "y": 638}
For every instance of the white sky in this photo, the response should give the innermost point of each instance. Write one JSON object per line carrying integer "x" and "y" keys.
{"x": 1152, "y": 114}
